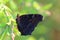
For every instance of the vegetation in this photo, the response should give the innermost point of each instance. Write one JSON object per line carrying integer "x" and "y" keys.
{"x": 50, "y": 9}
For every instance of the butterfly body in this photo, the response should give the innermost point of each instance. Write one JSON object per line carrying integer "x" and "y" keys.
{"x": 27, "y": 23}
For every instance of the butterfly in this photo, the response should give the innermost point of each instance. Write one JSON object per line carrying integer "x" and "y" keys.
{"x": 27, "y": 23}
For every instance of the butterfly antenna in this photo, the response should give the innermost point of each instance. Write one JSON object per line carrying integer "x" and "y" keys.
{"x": 17, "y": 15}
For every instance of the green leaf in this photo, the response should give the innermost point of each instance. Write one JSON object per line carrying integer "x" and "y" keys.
{"x": 31, "y": 38}
{"x": 20, "y": 1}
{"x": 4, "y": 1}
{"x": 3, "y": 19}
{"x": 44, "y": 14}
{"x": 40, "y": 29}
{"x": 3, "y": 34}
{"x": 46, "y": 7}
{"x": 32, "y": 11}
{"x": 13, "y": 5}
{"x": 29, "y": 0}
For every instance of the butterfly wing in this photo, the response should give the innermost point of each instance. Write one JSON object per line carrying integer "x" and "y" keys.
{"x": 27, "y": 23}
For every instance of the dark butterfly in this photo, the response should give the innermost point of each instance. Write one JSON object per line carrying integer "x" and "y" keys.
{"x": 27, "y": 23}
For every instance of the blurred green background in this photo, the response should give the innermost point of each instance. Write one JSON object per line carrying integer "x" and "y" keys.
{"x": 48, "y": 29}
